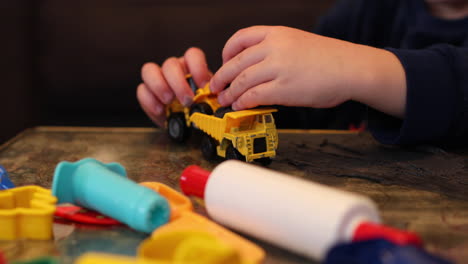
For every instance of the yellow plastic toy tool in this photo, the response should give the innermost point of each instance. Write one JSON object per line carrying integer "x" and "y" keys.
{"x": 104, "y": 258}
{"x": 195, "y": 247}
{"x": 187, "y": 239}
{"x": 26, "y": 212}
{"x": 184, "y": 219}
{"x": 181, "y": 247}
{"x": 189, "y": 221}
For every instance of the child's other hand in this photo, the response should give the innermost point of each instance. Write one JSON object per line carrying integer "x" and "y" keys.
{"x": 274, "y": 65}
{"x": 161, "y": 84}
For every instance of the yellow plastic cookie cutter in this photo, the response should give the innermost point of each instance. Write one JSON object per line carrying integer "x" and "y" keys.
{"x": 26, "y": 212}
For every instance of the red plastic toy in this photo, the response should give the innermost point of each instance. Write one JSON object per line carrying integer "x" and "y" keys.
{"x": 82, "y": 215}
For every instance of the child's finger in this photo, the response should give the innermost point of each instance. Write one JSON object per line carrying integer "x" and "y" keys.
{"x": 243, "y": 39}
{"x": 175, "y": 76}
{"x": 261, "y": 94}
{"x": 233, "y": 68}
{"x": 252, "y": 76}
{"x": 151, "y": 105}
{"x": 195, "y": 61}
{"x": 154, "y": 80}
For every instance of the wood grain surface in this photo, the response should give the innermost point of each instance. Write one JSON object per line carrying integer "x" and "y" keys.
{"x": 423, "y": 189}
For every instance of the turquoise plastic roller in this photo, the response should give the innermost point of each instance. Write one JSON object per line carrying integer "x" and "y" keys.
{"x": 106, "y": 189}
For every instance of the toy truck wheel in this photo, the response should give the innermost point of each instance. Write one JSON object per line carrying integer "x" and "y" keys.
{"x": 264, "y": 161}
{"x": 203, "y": 108}
{"x": 232, "y": 153}
{"x": 222, "y": 111}
{"x": 176, "y": 127}
{"x": 208, "y": 147}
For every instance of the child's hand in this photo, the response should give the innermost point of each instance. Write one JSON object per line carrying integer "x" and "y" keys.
{"x": 162, "y": 84}
{"x": 271, "y": 65}
{"x": 278, "y": 65}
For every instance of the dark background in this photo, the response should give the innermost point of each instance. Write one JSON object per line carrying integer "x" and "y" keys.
{"x": 78, "y": 62}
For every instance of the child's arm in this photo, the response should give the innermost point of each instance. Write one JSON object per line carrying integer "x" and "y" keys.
{"x": 426, "y": 89}
{"x": 436, "y": 100}
{"x": 437, "y": 89}
{"x": 284, "y": 66}
{"x": 161, "y": 84}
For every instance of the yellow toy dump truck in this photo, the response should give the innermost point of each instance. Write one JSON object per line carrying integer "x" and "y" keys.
{"x": 248, "y": 135}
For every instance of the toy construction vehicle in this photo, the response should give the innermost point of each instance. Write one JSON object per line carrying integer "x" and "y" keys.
{"x": 248, "y": 135}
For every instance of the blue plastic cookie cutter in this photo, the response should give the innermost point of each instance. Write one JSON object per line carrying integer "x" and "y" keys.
{"x": 5, "y": 182}
{"x": 106, "y": 189}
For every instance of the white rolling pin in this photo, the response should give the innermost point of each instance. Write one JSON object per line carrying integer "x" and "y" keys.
{"x": 304, "y": 217}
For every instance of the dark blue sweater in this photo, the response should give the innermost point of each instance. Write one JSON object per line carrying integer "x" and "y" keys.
{"x": 434, "y": 54}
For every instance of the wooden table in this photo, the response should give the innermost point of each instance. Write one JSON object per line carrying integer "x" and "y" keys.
{"x": 423, "y": 189}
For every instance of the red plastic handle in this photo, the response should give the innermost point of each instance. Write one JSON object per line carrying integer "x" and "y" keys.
{"x": 368, "y": 231}
{"x": 193, "y": 181}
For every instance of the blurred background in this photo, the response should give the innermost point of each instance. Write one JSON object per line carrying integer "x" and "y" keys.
{"x": 77, "y": 63}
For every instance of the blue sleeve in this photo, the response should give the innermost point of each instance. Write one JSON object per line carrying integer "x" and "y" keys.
{"x": 366, "y": 22}
{"x": 437, "y": 98}
{"x": 335, "y": 23}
